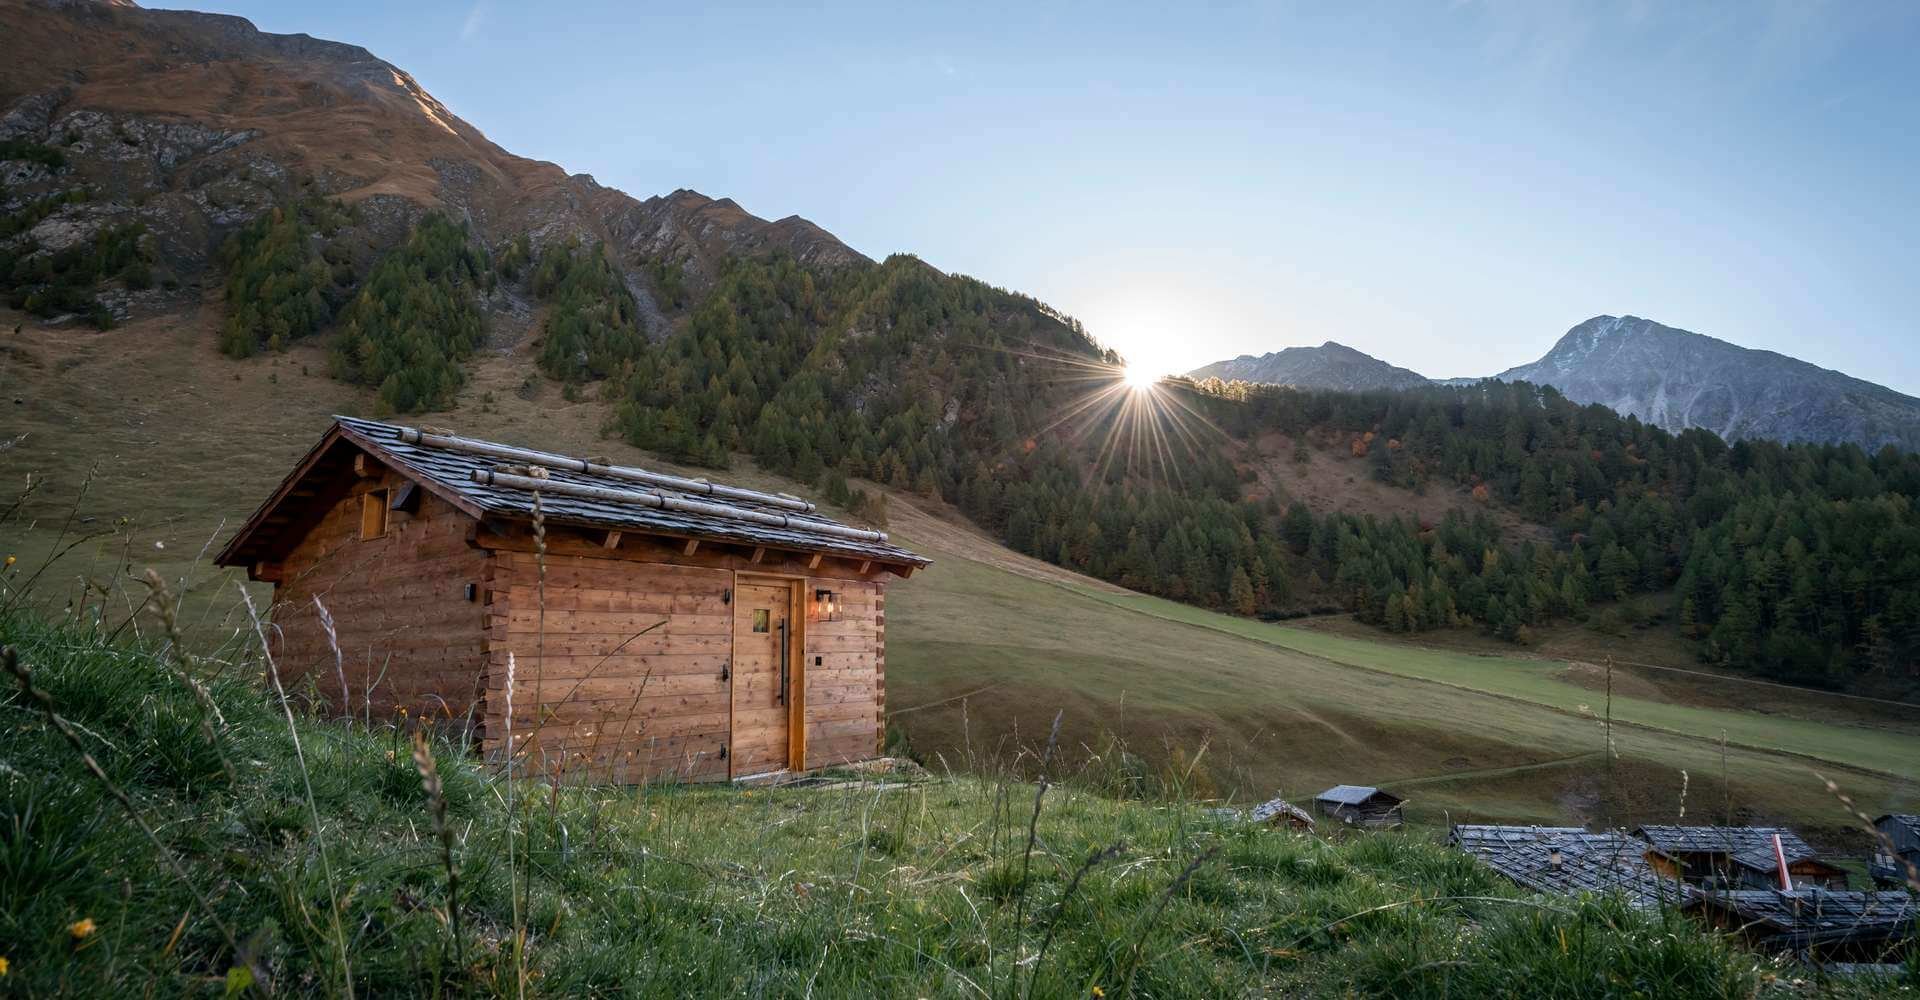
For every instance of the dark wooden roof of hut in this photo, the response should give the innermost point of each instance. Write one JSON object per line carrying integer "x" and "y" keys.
{"x": 1910, "y": 821}
{"x": 1747, "y": 846}
{"x": 1816, "y": 916}
{"x": 489, "y": 481}
{"x": 1353, "y": 795}
{"x": 1278, "y": 810}
{"x": 1586, "y": 862}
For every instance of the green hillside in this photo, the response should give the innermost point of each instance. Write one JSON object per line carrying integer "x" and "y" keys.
{"x": 258, "y": 848}
{"x": 979, "y": 654}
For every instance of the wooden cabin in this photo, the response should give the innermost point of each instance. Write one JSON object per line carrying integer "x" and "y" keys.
{"x": 1896, "y": 859}
{"x": 1567, "y": 860}
{"x": 612, "y": 623}
{"x": 1735, "y": 857}
{"x": 1360, "y": 805}
{"x": 1817, "y": 926}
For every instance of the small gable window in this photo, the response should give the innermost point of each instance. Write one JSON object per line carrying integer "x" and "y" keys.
{"x": 373, "y": 514}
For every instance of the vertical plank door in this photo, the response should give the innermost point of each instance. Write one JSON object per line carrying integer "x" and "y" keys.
{"x": 759, "y": 740}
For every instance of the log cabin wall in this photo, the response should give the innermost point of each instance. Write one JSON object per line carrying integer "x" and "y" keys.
{"x": 629, "y": 661}
{"x": 658, "y": 707}
{"x": 842, "y": 662}
{"x": 408, "y": 634}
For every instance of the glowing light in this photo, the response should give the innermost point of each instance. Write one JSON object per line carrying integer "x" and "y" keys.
{"x": 1128, "y": 418}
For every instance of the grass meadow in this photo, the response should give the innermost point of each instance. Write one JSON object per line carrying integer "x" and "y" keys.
{"x": 172, "y": 838}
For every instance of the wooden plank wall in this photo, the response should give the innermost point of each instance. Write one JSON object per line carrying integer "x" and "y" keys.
{"x": 845, "y": 698}
{"x": 621, "y": 703}
{"x": 408, "y": 635}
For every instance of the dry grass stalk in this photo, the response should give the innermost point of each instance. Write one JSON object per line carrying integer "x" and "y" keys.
{"x": 1093, "y": 861}
{"x": 56, "y": 552}
{"x": 165, "y": 610}
{"x": 313, "y": 806}
{"x": 339, "y": 661}
{"x": 1160, "y": 906}
{"x": 1033, "y": 837}
{"x": 437, "y": 810}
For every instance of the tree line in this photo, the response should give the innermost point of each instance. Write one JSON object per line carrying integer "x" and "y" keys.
{"x": 1799, "y": 561}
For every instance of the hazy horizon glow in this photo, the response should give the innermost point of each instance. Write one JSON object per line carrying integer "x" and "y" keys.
{"x": 1447, "y": 187}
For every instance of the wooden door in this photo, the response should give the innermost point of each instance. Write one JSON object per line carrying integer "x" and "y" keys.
{"x": 762, "y": 635}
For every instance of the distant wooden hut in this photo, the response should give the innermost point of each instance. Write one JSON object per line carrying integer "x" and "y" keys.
{"x": 1897, "y": 857}
{"x": 1360, "y": 805}
{"x": 679, "y": 628}
{"x": 1736, "y": 856}
{"x": 1815, "y": 925}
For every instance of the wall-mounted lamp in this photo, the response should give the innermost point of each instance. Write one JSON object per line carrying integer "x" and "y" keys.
{"x": 825, "y": 608}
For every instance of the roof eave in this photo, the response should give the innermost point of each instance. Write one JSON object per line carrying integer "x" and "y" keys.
{"x": 230, "y": 554}
{"x": 914, "y": 562}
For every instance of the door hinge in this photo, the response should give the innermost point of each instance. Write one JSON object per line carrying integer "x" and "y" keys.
{"x": 723, "y": 753}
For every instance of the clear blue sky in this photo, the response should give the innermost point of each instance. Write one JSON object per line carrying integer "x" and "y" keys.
{"x": 1447, "y": 186}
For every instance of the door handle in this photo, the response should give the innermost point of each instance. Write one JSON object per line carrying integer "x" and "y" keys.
{"x": 783, "y": 661}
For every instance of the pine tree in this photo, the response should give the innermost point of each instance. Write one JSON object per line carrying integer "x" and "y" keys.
{"x": 1240, "y": 593}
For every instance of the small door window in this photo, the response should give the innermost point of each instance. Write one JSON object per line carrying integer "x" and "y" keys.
{"x": 762, "y": 619}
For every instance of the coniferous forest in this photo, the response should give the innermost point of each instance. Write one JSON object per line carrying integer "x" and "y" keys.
{"x": 1795, "y": 562}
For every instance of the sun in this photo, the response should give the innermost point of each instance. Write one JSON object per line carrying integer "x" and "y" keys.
{"x": 1138, "y": 379}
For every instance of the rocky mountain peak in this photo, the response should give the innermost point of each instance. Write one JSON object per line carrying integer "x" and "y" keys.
{"x": 1678, "y": 379}
{"x": 1330, "y": 366}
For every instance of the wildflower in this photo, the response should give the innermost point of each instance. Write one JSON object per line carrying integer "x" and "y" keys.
{"x": 3, "y": 958}
{"x": 1097, "y": 991}
{"x": 81, "y": 929}
{"x": 10, "y": 560}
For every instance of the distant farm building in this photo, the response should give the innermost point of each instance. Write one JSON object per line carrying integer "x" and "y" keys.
{"x": 1567, "y": 860}
{"x": 1897, "y": 858}
{"x": 1280, "y": 812}
{"x": 1360, "y": 805}
{"x": 1736, "y": 857}
{"x": 674, "y": 628}
{"x": 1816, "y": 925}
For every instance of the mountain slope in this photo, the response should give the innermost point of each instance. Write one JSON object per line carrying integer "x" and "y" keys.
{"x": 192, "y": 124}
{"x": 1329, "y": 366}
{"x": 1676, "y": 379}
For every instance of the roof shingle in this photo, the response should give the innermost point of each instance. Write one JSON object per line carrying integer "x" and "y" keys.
{"x": 1567, "y": 860}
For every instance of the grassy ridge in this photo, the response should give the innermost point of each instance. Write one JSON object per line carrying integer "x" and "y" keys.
{"x": 933, "y": 887}
{"x": 976, "y": 651}
{"x": 1891, "y": 750}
